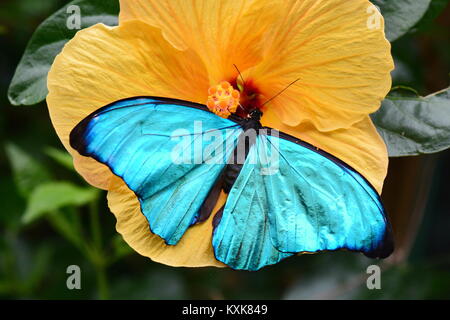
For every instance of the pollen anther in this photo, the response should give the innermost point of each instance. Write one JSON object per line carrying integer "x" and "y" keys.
{"x": 223, "y": 99}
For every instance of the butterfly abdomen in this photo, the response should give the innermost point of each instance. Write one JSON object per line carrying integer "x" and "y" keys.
{"x": 240, "y": 153}
{"x": 231, "y": 173}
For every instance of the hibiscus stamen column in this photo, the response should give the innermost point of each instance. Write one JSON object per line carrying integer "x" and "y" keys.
{"x": 223, "y": 99}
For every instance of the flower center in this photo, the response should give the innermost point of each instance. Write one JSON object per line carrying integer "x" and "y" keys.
{"x": 223, "y": 99}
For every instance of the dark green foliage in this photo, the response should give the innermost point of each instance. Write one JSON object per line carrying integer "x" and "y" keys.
{"x": 50, "y": 218}
{"x": 29, "y": 85}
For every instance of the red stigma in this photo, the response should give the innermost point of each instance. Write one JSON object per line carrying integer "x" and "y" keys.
{"x": 250, "y": 98}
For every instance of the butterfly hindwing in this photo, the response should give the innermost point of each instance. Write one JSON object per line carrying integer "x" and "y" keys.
{"x": 242, "y": 238}
{"x": 153, "y": 144}
{"x": 307, "y": 201}
{"x": 319, "y": 203}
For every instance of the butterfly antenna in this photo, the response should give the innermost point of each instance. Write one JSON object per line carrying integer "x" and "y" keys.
{"x": 281, "y": 92}
{"x": 243, "y": 84}
{"x": 242, "y": 108}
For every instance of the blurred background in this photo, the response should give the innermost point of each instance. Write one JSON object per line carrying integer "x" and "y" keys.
{"x": 39, "y": 241}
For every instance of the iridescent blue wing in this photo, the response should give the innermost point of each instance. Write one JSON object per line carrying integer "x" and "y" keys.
{"x": 307, "y": 201}
{"x": 169, "y": 152}
{"x": 242, "y": 237}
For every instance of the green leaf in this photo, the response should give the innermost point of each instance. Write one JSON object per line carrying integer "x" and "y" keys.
{"x": 49, "y": 197}
{"x": 27, "y": 172}
{"x": 121, "y": 248}
{"x": 401, "y": 15}
{"x": 415, "y": 125}
{"x": 61, "y": 157}
{"x": 12, "y": 204}
{"x": 436, "y": 8}
{"x": 29, "y": 84}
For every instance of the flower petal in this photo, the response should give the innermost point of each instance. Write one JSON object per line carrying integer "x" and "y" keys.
{"x": 95, "y": 173}
{"x": 360, "y": 146}
{"x": 223, "y": 33}
{"x": 102, "y": 65}
{"x": 342, "y": 60}
{"x": 193, "y": 250}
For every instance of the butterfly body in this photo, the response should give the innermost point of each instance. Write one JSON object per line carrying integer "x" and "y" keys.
{"x": 285, "y": 196}
{"x": 250, "y": 124}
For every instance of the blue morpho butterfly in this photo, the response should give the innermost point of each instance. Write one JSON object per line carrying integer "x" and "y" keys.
{"x": 310, "y": 202}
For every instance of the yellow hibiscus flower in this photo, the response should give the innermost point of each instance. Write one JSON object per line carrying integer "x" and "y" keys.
{"x": 181, "y": 48}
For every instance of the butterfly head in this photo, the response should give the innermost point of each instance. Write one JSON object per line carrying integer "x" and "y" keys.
{"x": 255, "y": 114}
{"x": 252, "y": 121}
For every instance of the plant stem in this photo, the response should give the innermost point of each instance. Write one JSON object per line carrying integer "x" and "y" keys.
{"x": 92, "y": 250}
{"x": 102, "y": 281}
{"x": 95, "y": 224}
{"x": 98, "y": 258}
